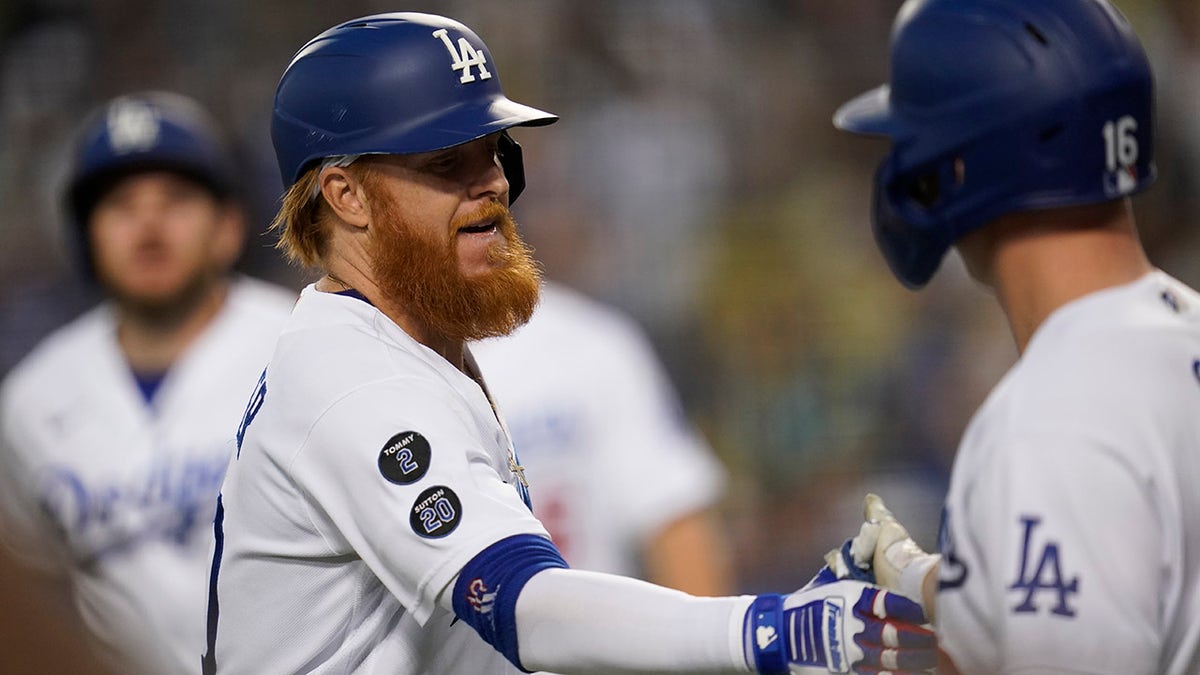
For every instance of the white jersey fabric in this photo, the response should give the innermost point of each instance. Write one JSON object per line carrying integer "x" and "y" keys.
{"x": 120, "y": 493}
{"x": 1071, "y": 538}
{"x": 600, "y": 430}
{"x": 370, "y": 472}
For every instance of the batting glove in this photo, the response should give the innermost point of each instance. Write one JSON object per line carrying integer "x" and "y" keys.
{"x": 853, "y": 559}
{"x": 839, "y": 626}
{"x": 897, "y": 563}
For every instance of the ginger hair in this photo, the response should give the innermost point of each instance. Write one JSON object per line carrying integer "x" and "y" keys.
{"x": 300, "y": 221}
{"x": 303, "y": 219}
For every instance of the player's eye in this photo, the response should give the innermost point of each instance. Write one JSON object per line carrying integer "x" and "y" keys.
{"x": 443, "y": 163}
{"x": 493, "y": 146}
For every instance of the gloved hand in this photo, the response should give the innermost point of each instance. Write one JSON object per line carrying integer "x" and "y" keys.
{"x": 854, "y": 559}
{"x": 884, "y": 552}
{"x": 835, "y": 627}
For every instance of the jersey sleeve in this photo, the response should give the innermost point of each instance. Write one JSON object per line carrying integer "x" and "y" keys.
{"x": 401, "y": 475}
{"x": 1071, "y": 556}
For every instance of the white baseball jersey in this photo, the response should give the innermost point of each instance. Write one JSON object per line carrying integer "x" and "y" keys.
{"x": 120, "y": 493}
{"x": 370, "y": 471}
{"x": 599, "y": 428}
{"x": 1071, "y": 538}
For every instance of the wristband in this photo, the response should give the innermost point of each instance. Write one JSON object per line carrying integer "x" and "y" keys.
{"x": 766, "y": 648}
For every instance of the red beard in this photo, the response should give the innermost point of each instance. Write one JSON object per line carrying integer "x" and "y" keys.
{"x": 423, "y": 277}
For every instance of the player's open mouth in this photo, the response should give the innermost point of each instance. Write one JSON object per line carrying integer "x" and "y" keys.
{"x": 488, "y": 227}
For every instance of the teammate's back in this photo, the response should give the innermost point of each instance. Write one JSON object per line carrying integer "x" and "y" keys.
{"x": 1072, "y": 524}
{"x": 1098, "y": 413}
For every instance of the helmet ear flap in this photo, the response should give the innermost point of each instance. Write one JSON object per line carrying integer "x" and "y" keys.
{"x": 511, "y": 160}
{"x": 909, "y": 218}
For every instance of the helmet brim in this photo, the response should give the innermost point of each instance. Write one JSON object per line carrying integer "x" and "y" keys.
{"x": 469, "y": 122}
{"x": 869, "y": 113}
{"x": 524, "y": 115}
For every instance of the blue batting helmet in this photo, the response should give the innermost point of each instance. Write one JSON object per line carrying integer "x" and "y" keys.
{"x": 997, "y": 106}
{"x": 139, "y": 132}
{"x": 146, "y": 131}
{"x": 397, "y": 83}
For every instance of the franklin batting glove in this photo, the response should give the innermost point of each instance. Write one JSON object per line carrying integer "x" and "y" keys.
{"x": 838, "y": 627}
{"x": 853, "y": 560}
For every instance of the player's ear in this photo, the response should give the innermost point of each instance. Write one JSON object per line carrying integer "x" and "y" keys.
{"x": 344, "y": 193}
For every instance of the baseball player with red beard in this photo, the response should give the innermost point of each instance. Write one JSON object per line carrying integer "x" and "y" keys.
{"x": 376, "y": 518}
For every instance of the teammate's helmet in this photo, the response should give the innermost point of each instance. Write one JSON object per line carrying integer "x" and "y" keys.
{"x": 144, "y": 132}
{"x": 997, "y": 106}
{"x": 397, "y": 83}
{"x": 135, "y": 133}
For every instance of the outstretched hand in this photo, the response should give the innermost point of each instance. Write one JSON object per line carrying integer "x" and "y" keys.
{"x": 883, "y": 552}
{"x": 836, "y": 627}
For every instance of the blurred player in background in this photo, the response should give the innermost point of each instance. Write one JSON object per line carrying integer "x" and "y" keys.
{"x": 585, "y": 398}
{"x": 116, "y": 430}
{"x": 42, "y": 633}
{"x": 1070, "y": 540}
{"x": 375, "y": 518}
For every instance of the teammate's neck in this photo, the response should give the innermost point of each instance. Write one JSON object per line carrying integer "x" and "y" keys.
{"x": 1039, "y": 261}
{"x": 152, "y": 345}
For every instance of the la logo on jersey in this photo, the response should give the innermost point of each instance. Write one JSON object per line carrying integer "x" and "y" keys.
{"x": 132, "y": 126}
{"x": 465, "y": 57}
{"x": 1045, "y": 574}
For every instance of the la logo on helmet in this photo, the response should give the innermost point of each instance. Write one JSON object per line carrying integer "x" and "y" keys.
{"x": 464, "y": 57}
{"x": 133, "y": 126}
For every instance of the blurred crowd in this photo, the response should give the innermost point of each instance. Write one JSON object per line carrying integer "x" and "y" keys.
{"x": 695, "y": 181}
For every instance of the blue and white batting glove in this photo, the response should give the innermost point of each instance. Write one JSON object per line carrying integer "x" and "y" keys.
{"x": 850, "y": 561}
{"x": 837, "y": 627}
{"x": 883, "y": 553}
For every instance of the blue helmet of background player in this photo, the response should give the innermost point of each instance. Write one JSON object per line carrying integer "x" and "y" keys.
{"x": 997, "y": 106}
{"x": 397, "y": 83}
{"x": 136, "y": 133}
